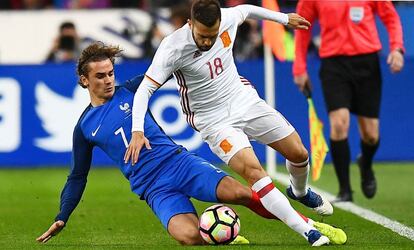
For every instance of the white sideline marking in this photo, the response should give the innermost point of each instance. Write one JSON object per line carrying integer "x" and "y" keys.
{"x": 367, "y": 214}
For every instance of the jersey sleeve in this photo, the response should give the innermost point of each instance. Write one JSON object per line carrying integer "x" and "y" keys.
{"x": 392, "y": 22}
{"x": 250, "y": 11}
{"x": 140, "y": 105}
{"x": 164, "y": 63}
{"x": 303, "y": 37}
{"x": 76, "y": 181}
{"x": 233, "y": 15}
{"x": 133, "y": 84}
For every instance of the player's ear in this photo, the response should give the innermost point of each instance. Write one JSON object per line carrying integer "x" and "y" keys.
{"x": 189, "y": 22}
{"x": 84, "y": 81}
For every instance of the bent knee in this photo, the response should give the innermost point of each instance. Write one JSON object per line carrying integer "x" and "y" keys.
{"x": 254, "y": 173}
{"x": 370, "y": 138}
{"x": 242, "y": 193}
{"x": 299, "y": 155}
{"x": 231, "y": 191}
{"x": 339, "y": 129}
{"x": 190, "y": 237}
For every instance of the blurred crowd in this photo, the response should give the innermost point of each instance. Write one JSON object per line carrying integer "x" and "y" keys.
{"x": 93, "y": 4}
{"x": 141, "y": 4}
{"x": 67, "y": 44}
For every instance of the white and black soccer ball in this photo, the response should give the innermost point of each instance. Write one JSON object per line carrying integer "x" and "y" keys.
{"x": 219, "y": 224}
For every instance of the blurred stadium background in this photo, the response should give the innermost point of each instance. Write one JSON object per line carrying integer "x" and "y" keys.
{"x": 40, "y": 103}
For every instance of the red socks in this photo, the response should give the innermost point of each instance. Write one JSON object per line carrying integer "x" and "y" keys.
{"x": 256, "y": 206}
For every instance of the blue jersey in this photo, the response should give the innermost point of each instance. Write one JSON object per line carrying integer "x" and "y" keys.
{"x": 109, "y": 127}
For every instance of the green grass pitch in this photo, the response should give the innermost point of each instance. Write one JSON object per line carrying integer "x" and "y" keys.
{"x": 111, "y": 217}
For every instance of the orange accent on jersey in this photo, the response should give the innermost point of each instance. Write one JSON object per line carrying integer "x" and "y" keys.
{"x": 226, "y": 146}
{"x": 153, "y": 81}
{"x": 225, "y": 38}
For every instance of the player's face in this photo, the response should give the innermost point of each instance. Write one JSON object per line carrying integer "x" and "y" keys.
{"x": 100, "y": 81}
{"x": 204, "y": 36}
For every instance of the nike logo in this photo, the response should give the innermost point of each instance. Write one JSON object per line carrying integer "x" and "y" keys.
{"x": 211, "y": 165}
{"x": 96, "y": 130}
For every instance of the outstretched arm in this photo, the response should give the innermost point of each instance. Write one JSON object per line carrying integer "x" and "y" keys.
{"x": 75, "y": 184}
{"x": 292, "y": 20}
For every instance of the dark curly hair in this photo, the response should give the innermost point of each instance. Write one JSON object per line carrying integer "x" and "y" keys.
{"x": 206, "y": 12}
{"x": 95, "y": 52}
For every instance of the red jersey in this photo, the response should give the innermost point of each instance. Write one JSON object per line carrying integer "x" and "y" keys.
{"x": 347, "y": 28}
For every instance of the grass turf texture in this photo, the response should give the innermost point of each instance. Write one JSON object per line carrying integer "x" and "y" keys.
{"x": 111, "y": 217}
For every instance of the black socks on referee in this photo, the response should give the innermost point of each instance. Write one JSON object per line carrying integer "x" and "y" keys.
{"x": 341, "y": 158}
{"x": 368, "y": 151}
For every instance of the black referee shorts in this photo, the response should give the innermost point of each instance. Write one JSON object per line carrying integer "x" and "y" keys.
{"x": 352, "y": 82}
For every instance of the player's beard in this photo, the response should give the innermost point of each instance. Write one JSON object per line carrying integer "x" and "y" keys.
{"x": 204, "y": 48}
{"x": 201, "y": 47}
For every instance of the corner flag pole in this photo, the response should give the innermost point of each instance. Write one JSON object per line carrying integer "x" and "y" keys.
{"x": 270, "y": 83}
{"x": 273, "y": 39}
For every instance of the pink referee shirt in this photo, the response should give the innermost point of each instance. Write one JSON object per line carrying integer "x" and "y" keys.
{"x": 347, "y": 28}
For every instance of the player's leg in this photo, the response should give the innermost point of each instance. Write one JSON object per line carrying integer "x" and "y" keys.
{"x": 292, "y": 149}
{"x": 245, "y": 163}
{"x": 268, "y": 126}
{"x": 184, "y": 229}
{"x": 191, "y": 176}
{"x": 173, "y": 208}
{"x": 231, "y": 191}
{"x": 176, "y": 213}
{"x": 297, "y": 162}
{"x": 199, "y": 179}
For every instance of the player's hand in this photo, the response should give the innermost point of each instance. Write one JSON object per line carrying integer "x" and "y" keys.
{"x": 396, "y": 61}
{"x": 137, "y": 141}
{"x": 298, "y": 22}
{"x": 302, "y": 81}
{"x": 54, "y": 229}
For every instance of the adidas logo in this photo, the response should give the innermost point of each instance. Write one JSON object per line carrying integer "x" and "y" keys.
{"x": 196, "y": 54}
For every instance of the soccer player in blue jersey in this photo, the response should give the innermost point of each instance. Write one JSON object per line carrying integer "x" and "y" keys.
{"x": 166, "y": 174}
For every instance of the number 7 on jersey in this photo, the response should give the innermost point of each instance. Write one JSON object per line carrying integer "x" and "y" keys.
{"x": 122, "y": 132}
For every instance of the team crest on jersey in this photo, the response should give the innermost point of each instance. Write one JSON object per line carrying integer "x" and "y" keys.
{"x": 196, "y": 54}
{"x": 225, "y": 38}
{"x": 125, "y": 107}
{"x": 226, "y": 146}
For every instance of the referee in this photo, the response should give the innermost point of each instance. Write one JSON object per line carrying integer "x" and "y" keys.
{"x": 350, "y": 75}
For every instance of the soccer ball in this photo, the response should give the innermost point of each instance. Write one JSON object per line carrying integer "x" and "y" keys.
{"x": 219, "y": 224}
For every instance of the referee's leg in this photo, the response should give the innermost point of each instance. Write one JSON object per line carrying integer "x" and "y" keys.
{"x": 339, "y": 120}
{"x": 369, "y": 130}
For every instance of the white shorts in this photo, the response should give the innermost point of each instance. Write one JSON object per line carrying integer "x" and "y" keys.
{"x": 232, "y": 133}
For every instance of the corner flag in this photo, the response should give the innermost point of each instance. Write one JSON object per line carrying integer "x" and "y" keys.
{"x": 319, "y": 148}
